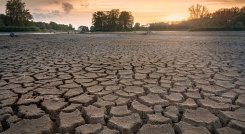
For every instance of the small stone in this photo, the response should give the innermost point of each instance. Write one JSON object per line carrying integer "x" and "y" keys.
{"x": 83, "y": 99}
{"x": 90, "y": 84}
{"x": 185, "y": 128}
{"x": 179, "y": 89}
{"x": 34, "y": 126}
{"x": 157, "y": 90}
{"x": 4, "y": 116}
{"x": 81, "y": 81}
{"x": 134, "y": 89}
{"x": 29, "y": 99}
{"x": 49, "y": 91}
{"x": 6, "y": 110}
{"x": 205, "y": 94}
{"x": 122, "y": 101}
{"x": 157, "y": 119}
{"x": 189, "y": 104}
{"x": 69, "y": 121}
{"x": 150, "y": 81}
{"x": 238, "y": 114}
{"x": 139, "y": 76}
{"x": 102, "y": 93}
{"x": 110, "y": 97}
{"x": 238, "y": 125}
{"x": 127, "y": 124}
{"x": 13, "y": 119}
{"x": 89, "y": 129}
{"x": 158, "y": 109}
{"x": 69, "y": 86}
{"x": 72, "y": 108}
{"x": 241, "y": 100}
{"x": 31, "y": 111}
{"x": 239, "y": 91}
{"x": 125, "y": 94}
{"x": 137, "y": 83}
{"x": 225, "y": 84}
{"x": 21, "y": 90}
{"x": 227, "y": 130}
{"x": 106, "y": 130}
{"x": 112, "y": 88}
{"x": 141, "y": 109}
{"x": 102, "y": 103}
{"x": 153, "y": 99}
{"x": 156, "y": 129}
{"x": 213, "y": 89}
{"x": 53, "y": 106}
{"x": 231, "y": 94}
{"x": 172, "y": 112}
{"x": 73, "y": 92}
{"x": 175, "y": 97}
{"x": 202, "y": 117}
{"x": 94, "y": 115}
{"x": 193, "y": 90}
{"x": 120, "y": 111}
{"x": 221, "y": 99}
{"x": 95, "y": 89}
{"x": 193, "y": 95}
{"x": 214, "y": 106}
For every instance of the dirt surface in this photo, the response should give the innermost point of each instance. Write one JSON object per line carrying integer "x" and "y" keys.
{"x": 165, "y": 82}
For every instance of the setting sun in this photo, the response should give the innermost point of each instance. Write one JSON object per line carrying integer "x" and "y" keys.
{"x": 79, "y": 12}
{"x": 122, "y": 66}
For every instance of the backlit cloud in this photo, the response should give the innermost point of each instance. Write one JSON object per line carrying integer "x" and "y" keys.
{"x": 48, "y": 15}
{"x": 79, "y": 12}
{"x": 67, "y": 7}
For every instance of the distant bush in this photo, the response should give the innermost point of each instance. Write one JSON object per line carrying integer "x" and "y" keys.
{"x": 1, "y": 23}
{"x": 19, "y": 29}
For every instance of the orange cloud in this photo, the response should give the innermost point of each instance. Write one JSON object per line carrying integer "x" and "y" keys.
{"x": 144, "y": 11}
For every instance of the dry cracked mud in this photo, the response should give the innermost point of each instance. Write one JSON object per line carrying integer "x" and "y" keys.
{"x": 166, "y": 83}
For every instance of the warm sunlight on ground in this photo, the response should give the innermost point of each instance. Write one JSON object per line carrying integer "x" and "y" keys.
{"x": 175, "y": 17}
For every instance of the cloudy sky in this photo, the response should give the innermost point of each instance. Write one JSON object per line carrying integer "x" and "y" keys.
{"x": 79, "y": 12}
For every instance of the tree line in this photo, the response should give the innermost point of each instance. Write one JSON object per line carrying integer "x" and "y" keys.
{"x": 201, "y": 19}
{"x": 18, "y": 18}
{"x": 113, "y": 20}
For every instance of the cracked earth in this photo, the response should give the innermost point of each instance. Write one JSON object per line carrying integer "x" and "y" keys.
{"x": 164, "y": 83}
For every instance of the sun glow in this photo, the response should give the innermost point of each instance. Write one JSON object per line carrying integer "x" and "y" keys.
{"x": 175, "y": 17}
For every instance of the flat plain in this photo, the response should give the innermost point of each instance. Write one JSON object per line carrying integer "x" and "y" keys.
{"x": 161, "y": 83}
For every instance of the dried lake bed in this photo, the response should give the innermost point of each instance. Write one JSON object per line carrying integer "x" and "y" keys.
{"x": 161, "y": 83}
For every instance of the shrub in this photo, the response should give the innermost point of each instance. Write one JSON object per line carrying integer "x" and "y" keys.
{"x": 19, "y": 29}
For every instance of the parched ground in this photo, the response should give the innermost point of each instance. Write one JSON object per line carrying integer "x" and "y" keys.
{"x": 162, "y": 83}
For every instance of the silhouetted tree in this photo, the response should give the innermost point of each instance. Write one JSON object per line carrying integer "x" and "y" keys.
{"x": 70, "y": 27}
{"x": 5, "y": 19}
{"x": 41, "y": 25}
{"x": 1, "y": 23}
{"x": 242, "y": 10}
{"x": 226, "y": 17}
{"x": 137, "y": 26}
{"x": 99, "y": 21}
{"x": 83, "y": 29}
{"x": 241, "y": 16}
{"x": 198, "y": 11}
{"x": 15, "y": 9}
{"x": 126, "y": 20}
{"x": 113, "y": 20}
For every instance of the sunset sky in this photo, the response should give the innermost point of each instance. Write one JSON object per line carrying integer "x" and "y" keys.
{"x": 79, "y": 12}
